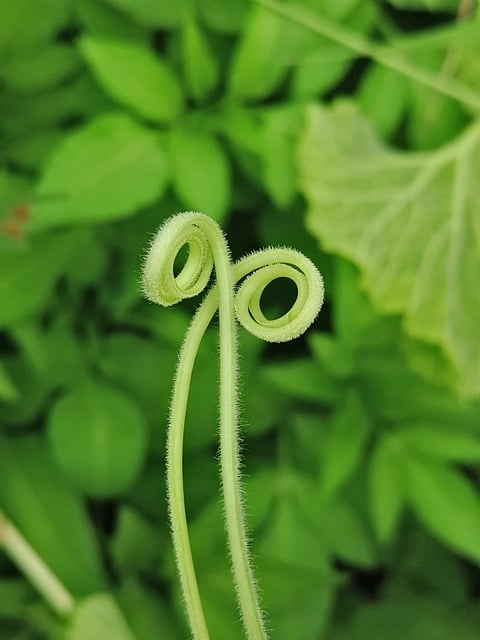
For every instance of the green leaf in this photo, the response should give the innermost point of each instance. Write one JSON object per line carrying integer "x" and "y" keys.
{"x": 332, "y": 354}
{"x": 30, "y": 22}
{"x": 14, "y": 596}
{"x": 224, "y": 17}
{"x": 344, "y": 444}
{"x": 383, "y": 98}
{"x": 319, "y": 68}
{"x": 132, "y": 74}
{"x": 99, "y": 616}
{"x": 8, "y": 390}
{"x": 445, "y": 502}
{"x": 292, "y": 535}
{"x": 108, "y": 22}
{"x": 349, "y": 536}
{"x": 260, "y": 59}
{"x": 385, "y": 491}
{"x": 29, "y": 275}
{"x": 431, "y": 5}
{"x": 200, "y": 66}
{"x": 152, "y": 13}
{"x": 302, "y": 378}
{"x": 149, "y": 615}
{"x": 105, "y": 170}
{"x": 32, "y": 150}
{"x": 298, "y": 601}
{"x": 98, "y": 438}
{"x": 409, "y": 616}
{"x": 408, "y": 220}
{"x": 279, "y": 136}
{"x": 144, "y": 369}
{"x": 444, "y": 443}
{"x": 49, "y": 513}
{"x": 41, "y": 68}
{"x": 201, "y": 171}
{"x": 136, "y": 545}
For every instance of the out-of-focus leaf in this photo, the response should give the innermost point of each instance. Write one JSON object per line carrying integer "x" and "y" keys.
{"x": 28, "y": 114}
{"x": 133, "y": 75}
{"x": 49, "y": 514}
{"x": 385, "y": 491}
{"x": 105, "y": 170}
{"x": 277, "y": 150}
{"x": 221, "y": 17}
{"x": 302, "y": 378}
{"x": 443, "y": 443}
{"x": 14, "y": 596}
{"x": 41, "y": 68}
{"x": 99, "y": 616}
{"x": 332, "y": 354}
{"x": 291, "y": 535}
{"x": 431, "y": 5}
{"x": 8, "y": 390}
{"x": 106, "y": 21}
{"x": 33, "y": 149}
{"x": 386, "y": 229}
{"x": 409, "y": 616}
{"x": 200, "y": 171}
{"x": 429, "y": 567}
{"x": 345, "y": 443}
{"x": 349, "y": 536}
{"x": 30, "y": 22}
{"x": 200, "y": 66}
{"x": 261, "y": 57}
{"x": 383, "y": 98}
{"x": 298, "y": 601}
{"x": 149, "y": 615}
{"x": 136, "y": 545}
{"x": 152, "y": 13}
{"x": 98, "y": 437}
{"x": 445, "y": 502}
{"x": 28, "y": 275}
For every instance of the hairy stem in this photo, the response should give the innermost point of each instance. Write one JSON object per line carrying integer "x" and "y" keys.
{"x": 207, "y": 247}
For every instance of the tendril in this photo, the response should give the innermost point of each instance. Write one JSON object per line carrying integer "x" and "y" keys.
{"x": 207, "y": 249}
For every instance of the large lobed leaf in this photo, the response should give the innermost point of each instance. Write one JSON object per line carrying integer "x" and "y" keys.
{"x": 410, "y": 221}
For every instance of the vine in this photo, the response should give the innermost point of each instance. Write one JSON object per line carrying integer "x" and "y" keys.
{"x": 207, "y": 249}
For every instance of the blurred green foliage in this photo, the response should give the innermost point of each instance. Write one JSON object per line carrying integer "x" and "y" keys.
{"x": 346, "y": 129}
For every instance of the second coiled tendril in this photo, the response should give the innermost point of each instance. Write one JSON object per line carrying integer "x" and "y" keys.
{"x": 207, "y": 249}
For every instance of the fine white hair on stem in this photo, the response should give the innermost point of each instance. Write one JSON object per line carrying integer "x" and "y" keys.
{"x": 208, "y": 250}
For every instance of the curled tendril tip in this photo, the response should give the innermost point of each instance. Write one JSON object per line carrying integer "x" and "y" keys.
{"x": 208, "y": 251}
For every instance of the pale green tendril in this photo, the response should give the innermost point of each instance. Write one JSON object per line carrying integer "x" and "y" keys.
{"x": 207, "y": 249}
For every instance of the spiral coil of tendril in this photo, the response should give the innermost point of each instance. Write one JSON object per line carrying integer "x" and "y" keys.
{"x": 208, "y": 250}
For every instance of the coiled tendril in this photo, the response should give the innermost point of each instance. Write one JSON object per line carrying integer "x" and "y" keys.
{"x": 207, "y": 248}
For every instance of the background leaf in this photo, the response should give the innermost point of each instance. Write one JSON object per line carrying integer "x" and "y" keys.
{"x": 427, "y": 277}
{"x": 49, "y": 513}
{"x": 134, "y": 76}
{"x": 445, "y": 502}
{"x": 201, "y": 172}
{"x": 98, "y": 438}
{"x": 104, "y": 171}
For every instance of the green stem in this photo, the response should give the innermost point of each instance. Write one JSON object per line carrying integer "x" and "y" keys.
{"x": 207, "y": 246}
{"x": 34, "y": 568}
{"x": 382, "y": 54}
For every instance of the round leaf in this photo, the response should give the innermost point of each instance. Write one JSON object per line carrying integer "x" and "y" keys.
{"x": 98, "y": 438}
